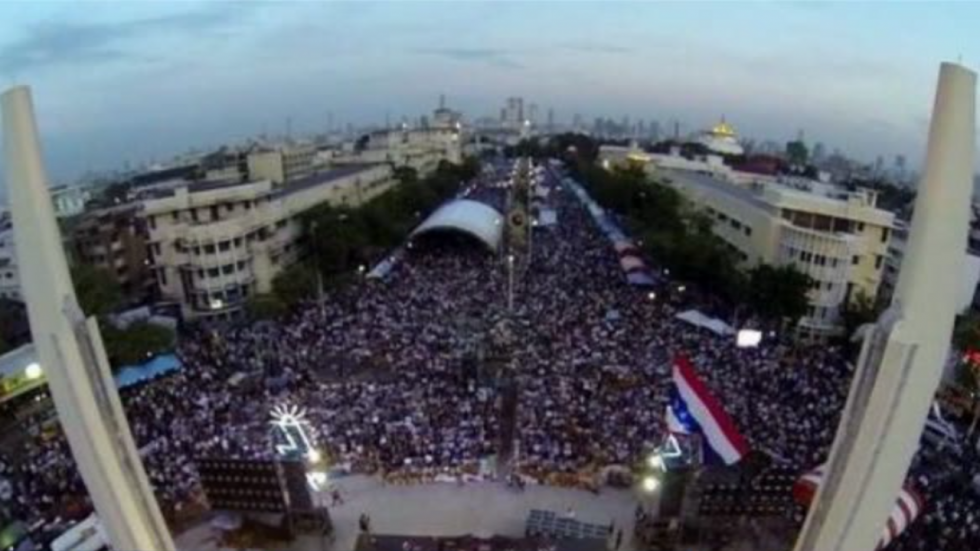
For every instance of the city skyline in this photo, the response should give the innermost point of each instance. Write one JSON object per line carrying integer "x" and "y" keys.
{"x": 119, "y": 84}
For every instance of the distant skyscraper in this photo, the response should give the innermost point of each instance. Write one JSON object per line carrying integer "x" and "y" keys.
{"x": 819, "y": 152}
{"x": 514, "y": 112}
{"x": 551, "y": 120}
{"x": 655, "y": 131}
{"x": 900, "y": 172}
{"x": 597, "y": 126}
{"x": 879, "y": 165}
{"x": 532, "y": 113}
{"x": 577, "y": 122}
{"x": 641, "y": 129}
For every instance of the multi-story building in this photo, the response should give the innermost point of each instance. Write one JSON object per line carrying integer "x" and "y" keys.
{"x": 839, "y": 238}
{"x": 420, "y": 148}
{"x": 69, "y": 201}
{"x": 282, "y": 164}
{"x": 9, "y": 274}
{"x": 113, "y": 239}
{"x": 214, "y": 244}
{"x": 967, "y": 295}
{"x": 513, "y": 113}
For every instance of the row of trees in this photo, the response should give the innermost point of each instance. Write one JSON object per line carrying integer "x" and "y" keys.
{"x": 677, "y": 235}
{"x": 99, "y": 295}
{"x": 344, "y": 241}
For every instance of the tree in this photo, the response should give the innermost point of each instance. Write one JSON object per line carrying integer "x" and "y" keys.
{"x": 861, "y": 309}
{"x": 98, "y": 293}
{"x": 136, "y": 343}
{"x": 405, "y": 174}
{"x": 262, "y": 307}
{"x": 779, "y": 293}
{"x": 966, "y": 332}
{"x": 797, "y": 153}
{"x": 294, "y": 284}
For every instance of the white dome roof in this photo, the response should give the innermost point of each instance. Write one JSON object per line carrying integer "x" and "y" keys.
{"x": 472, "y": 217}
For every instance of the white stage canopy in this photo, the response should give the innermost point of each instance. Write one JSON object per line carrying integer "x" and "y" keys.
{"x": 471, "y": 217}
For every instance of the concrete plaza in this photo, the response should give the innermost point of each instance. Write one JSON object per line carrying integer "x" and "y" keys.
{"x": 445, "y": 509}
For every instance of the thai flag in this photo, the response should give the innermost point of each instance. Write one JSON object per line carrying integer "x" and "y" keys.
{"x": 694, "y": 410}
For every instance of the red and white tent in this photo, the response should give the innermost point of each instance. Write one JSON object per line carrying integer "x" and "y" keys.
{"x": 908, "y": 505}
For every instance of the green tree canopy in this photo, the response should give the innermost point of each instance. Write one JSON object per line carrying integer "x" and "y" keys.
{"x": 797, "y": 153}
{"x": 137, "y": 343}
{"x": 966, "y": 332}
{"x": 262, "y": 307}
{"x": 861, "y": 309}
{"x": 295, "y": 283}
{"x": 779, "y": 293}
{"x": 98, "y": 294}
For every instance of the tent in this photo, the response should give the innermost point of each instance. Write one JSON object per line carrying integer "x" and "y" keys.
{"x": 698, "y": 319}
{"x": 548, "y": 217}
{"x": 640, "y": 279}
{"x": 625, "y": 246}
{"x": 631, "y": 264}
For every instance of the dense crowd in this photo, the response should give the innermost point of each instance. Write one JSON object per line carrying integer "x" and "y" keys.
{"x": 380, "y": 369}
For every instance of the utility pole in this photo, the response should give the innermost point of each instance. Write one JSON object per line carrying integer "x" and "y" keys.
{"x": 71, "y": 350}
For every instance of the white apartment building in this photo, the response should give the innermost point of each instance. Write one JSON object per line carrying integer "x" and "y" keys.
{"x": 214, "y": 244}
{"x": 839, "y": 238}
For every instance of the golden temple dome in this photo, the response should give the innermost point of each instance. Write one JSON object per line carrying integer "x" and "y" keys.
{"x": 723, "y": 129}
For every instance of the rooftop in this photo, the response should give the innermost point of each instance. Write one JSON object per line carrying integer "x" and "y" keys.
{"x": 321, "y": 178}
{"x": 709, "y": 183}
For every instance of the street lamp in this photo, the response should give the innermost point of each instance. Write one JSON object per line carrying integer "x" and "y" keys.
{"x": 650, "y": 483}
{"x": 510, "y": 282}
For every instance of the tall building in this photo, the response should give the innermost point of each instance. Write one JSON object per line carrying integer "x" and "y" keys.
{"x": 577, "y": 124}
{"x": 513, "y": 114}
{"x": 113, "y": 239}
{"x": 281, "y": 164}
{"x": 9, "y": 270}
{"x": 655, "y": 131}
{"x": 69, "y": 201}
{"x": 819, "y": 152}
{"x": 839, "y": 238}
{"x": 551, "y": 120}
{"x": 444, "y": 117}
{"x": 213, "y": 245}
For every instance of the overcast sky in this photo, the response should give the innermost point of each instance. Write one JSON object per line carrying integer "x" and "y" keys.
{"x": 134, "y": 81}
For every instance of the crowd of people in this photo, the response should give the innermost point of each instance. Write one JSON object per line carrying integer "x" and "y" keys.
{"x": 380, "y": 369}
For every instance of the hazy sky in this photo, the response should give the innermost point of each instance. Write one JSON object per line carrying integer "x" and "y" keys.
{"x": 133, "y": 81}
